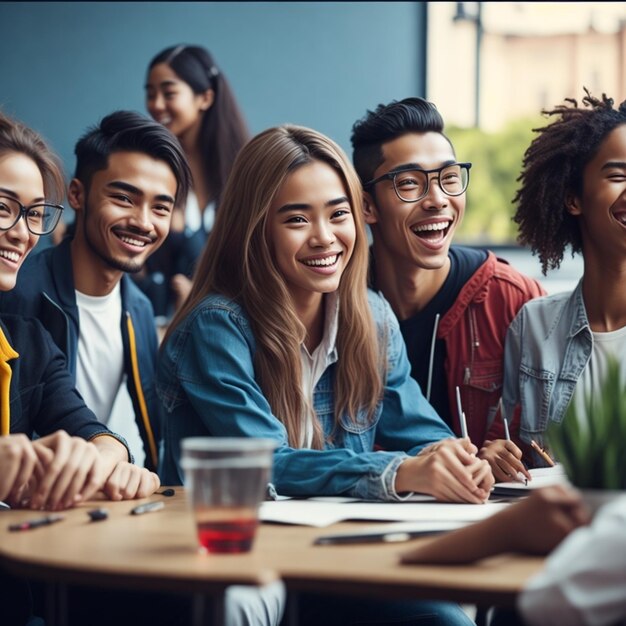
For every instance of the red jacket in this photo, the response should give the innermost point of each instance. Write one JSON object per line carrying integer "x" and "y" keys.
{"x": 474, "y": 330}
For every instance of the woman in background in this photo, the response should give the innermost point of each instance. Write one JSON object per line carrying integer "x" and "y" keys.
{"x": 189, "y": 94}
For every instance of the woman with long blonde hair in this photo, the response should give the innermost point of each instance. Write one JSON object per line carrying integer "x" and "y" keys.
{"x": 280, "y": 338}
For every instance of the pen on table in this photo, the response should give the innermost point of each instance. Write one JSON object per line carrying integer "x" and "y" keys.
{"x": 148, "y": 507}
{"x": 36, "y": 523}
{"x": 462, "y": 419}
{"x": 384, "y": 537}
{"x": 542, "y": 453}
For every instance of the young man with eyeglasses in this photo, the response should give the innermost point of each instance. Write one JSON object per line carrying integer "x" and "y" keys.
{"x": 130, "y": 173}
{"x": 454, "y": 303}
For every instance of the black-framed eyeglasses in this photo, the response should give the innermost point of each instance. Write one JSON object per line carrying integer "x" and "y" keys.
{"x": 412, "y": 184}
{"x": 41, "y": 218}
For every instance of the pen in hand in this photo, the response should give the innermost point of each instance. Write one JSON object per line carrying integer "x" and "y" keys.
{"x": 462, "y": 419}
{"x": 507, "y": 435}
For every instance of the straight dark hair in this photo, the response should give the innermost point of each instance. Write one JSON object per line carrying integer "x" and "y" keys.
{"x": 127, "y": 131}
{"x": 385, "y": 123}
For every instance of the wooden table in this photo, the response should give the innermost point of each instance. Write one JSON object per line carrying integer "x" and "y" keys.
{"x": 157, "y": 551}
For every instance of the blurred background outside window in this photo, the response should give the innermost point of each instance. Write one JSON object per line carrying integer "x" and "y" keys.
{"x": 491, "y": 68}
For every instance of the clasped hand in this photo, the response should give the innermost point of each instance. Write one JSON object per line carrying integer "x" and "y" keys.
{"x": 59, "y": 471}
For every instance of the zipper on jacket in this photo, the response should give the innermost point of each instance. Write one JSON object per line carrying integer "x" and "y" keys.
{"x": 140, "y": 397}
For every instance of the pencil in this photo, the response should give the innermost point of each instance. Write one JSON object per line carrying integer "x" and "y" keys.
{"x": 541, "y": 452}
{"x": 462, "y": 419}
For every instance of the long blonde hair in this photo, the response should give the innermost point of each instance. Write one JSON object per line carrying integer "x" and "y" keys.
{"x": 237, "y": 263}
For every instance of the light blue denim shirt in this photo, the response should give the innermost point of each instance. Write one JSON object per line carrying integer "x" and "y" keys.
{"x": 207, "y": 383}
{"x": 548, "y": 345}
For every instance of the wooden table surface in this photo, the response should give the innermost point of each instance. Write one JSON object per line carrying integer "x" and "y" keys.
{"x": 158, "y": 551}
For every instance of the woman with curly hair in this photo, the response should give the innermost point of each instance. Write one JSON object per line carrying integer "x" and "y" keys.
{"x": 573, "y": 193}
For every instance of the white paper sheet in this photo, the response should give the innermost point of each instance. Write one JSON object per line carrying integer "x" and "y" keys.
{"x": 323, "y": 513}
{"x": 542, "y": 477}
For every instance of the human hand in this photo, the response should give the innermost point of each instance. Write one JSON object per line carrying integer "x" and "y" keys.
{"x": 69, "y": 470}
{"x": 128, "y": 481}
{"x": 505, "y": 459}
{"x": 535, "y": 525}
{"x": 17, "y": 464}
{"x": 448, "y": 470}
{"x": 540, "y": 522}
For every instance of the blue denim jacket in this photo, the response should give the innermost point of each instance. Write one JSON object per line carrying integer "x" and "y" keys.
{"x": 548, "y": 345}
{"x": 206, "y": 380}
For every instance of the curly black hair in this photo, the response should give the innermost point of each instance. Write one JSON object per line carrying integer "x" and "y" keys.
{"x": 553, "y": 169}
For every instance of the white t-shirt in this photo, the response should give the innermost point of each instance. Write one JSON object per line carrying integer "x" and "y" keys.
{"x": 605, "y": 346}
{"x": 194, "y": 219}
{"x": 583, "y": 582}
{"x": 100, "y": 377}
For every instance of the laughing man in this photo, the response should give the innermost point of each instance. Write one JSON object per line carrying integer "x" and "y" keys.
{"x": 454, "y": 303}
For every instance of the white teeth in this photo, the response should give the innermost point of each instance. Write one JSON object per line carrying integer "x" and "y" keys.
{"x": 424, "y": 227}
{"x": 330, "y": 260}
{"x": 132, "y": 242}
{"x": 12, "y": 256}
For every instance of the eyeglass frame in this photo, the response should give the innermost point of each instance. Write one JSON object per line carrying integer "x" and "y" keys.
{"x": 23, "y": 211}
{"x": 407, "y": 168}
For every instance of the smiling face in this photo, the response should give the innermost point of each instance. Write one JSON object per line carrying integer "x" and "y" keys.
{"x": 21, "y": 180}
{"x": 173, "y": 103}
{"x": 418, "y": 233}
{"x": 124, "y": 215}
{"x": 601, "y": 206}
{"x": 311, "y": 232}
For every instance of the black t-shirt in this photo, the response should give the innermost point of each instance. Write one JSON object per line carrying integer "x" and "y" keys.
{"x": 418, "y": 330}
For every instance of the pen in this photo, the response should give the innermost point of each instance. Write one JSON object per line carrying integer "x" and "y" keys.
{"x": 542, "y": 453}
{"x": 462, "y": 419}
{"x": 36, "y": 523}
{"x": 148, "y": 507}
{"x": 388, "y": 537}
{"x": 507, "y": 434}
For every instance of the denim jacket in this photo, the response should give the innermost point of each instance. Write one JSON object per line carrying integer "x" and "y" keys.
{"x": 548, "y": 345}
{"x": 206, "y": 380}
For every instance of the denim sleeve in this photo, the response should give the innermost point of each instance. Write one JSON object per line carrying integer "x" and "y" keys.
{"x": 408, "y": 421}
{"x": 215, "y": 369}
{"x": 512, "y": 363}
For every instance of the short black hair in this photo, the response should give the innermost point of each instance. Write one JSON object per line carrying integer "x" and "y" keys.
{"x": 553, "y": 169}
{"x": 127, "y": 131}
{"x": 387, "y": 122}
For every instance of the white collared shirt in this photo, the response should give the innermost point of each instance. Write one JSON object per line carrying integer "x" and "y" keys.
{"x": 314, "y": 365}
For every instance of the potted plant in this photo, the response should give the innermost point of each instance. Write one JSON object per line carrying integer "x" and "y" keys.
{"x": 591, "y": 440}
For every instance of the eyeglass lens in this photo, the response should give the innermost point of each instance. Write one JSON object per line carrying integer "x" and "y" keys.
{"x": 40, "y": 218}
{"x": 412, "y": 185}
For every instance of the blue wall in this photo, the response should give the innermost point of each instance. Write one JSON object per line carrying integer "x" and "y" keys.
{"x": 64, "y": 65}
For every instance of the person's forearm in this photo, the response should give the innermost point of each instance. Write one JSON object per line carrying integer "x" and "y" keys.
{"x": 111, "y": 448}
